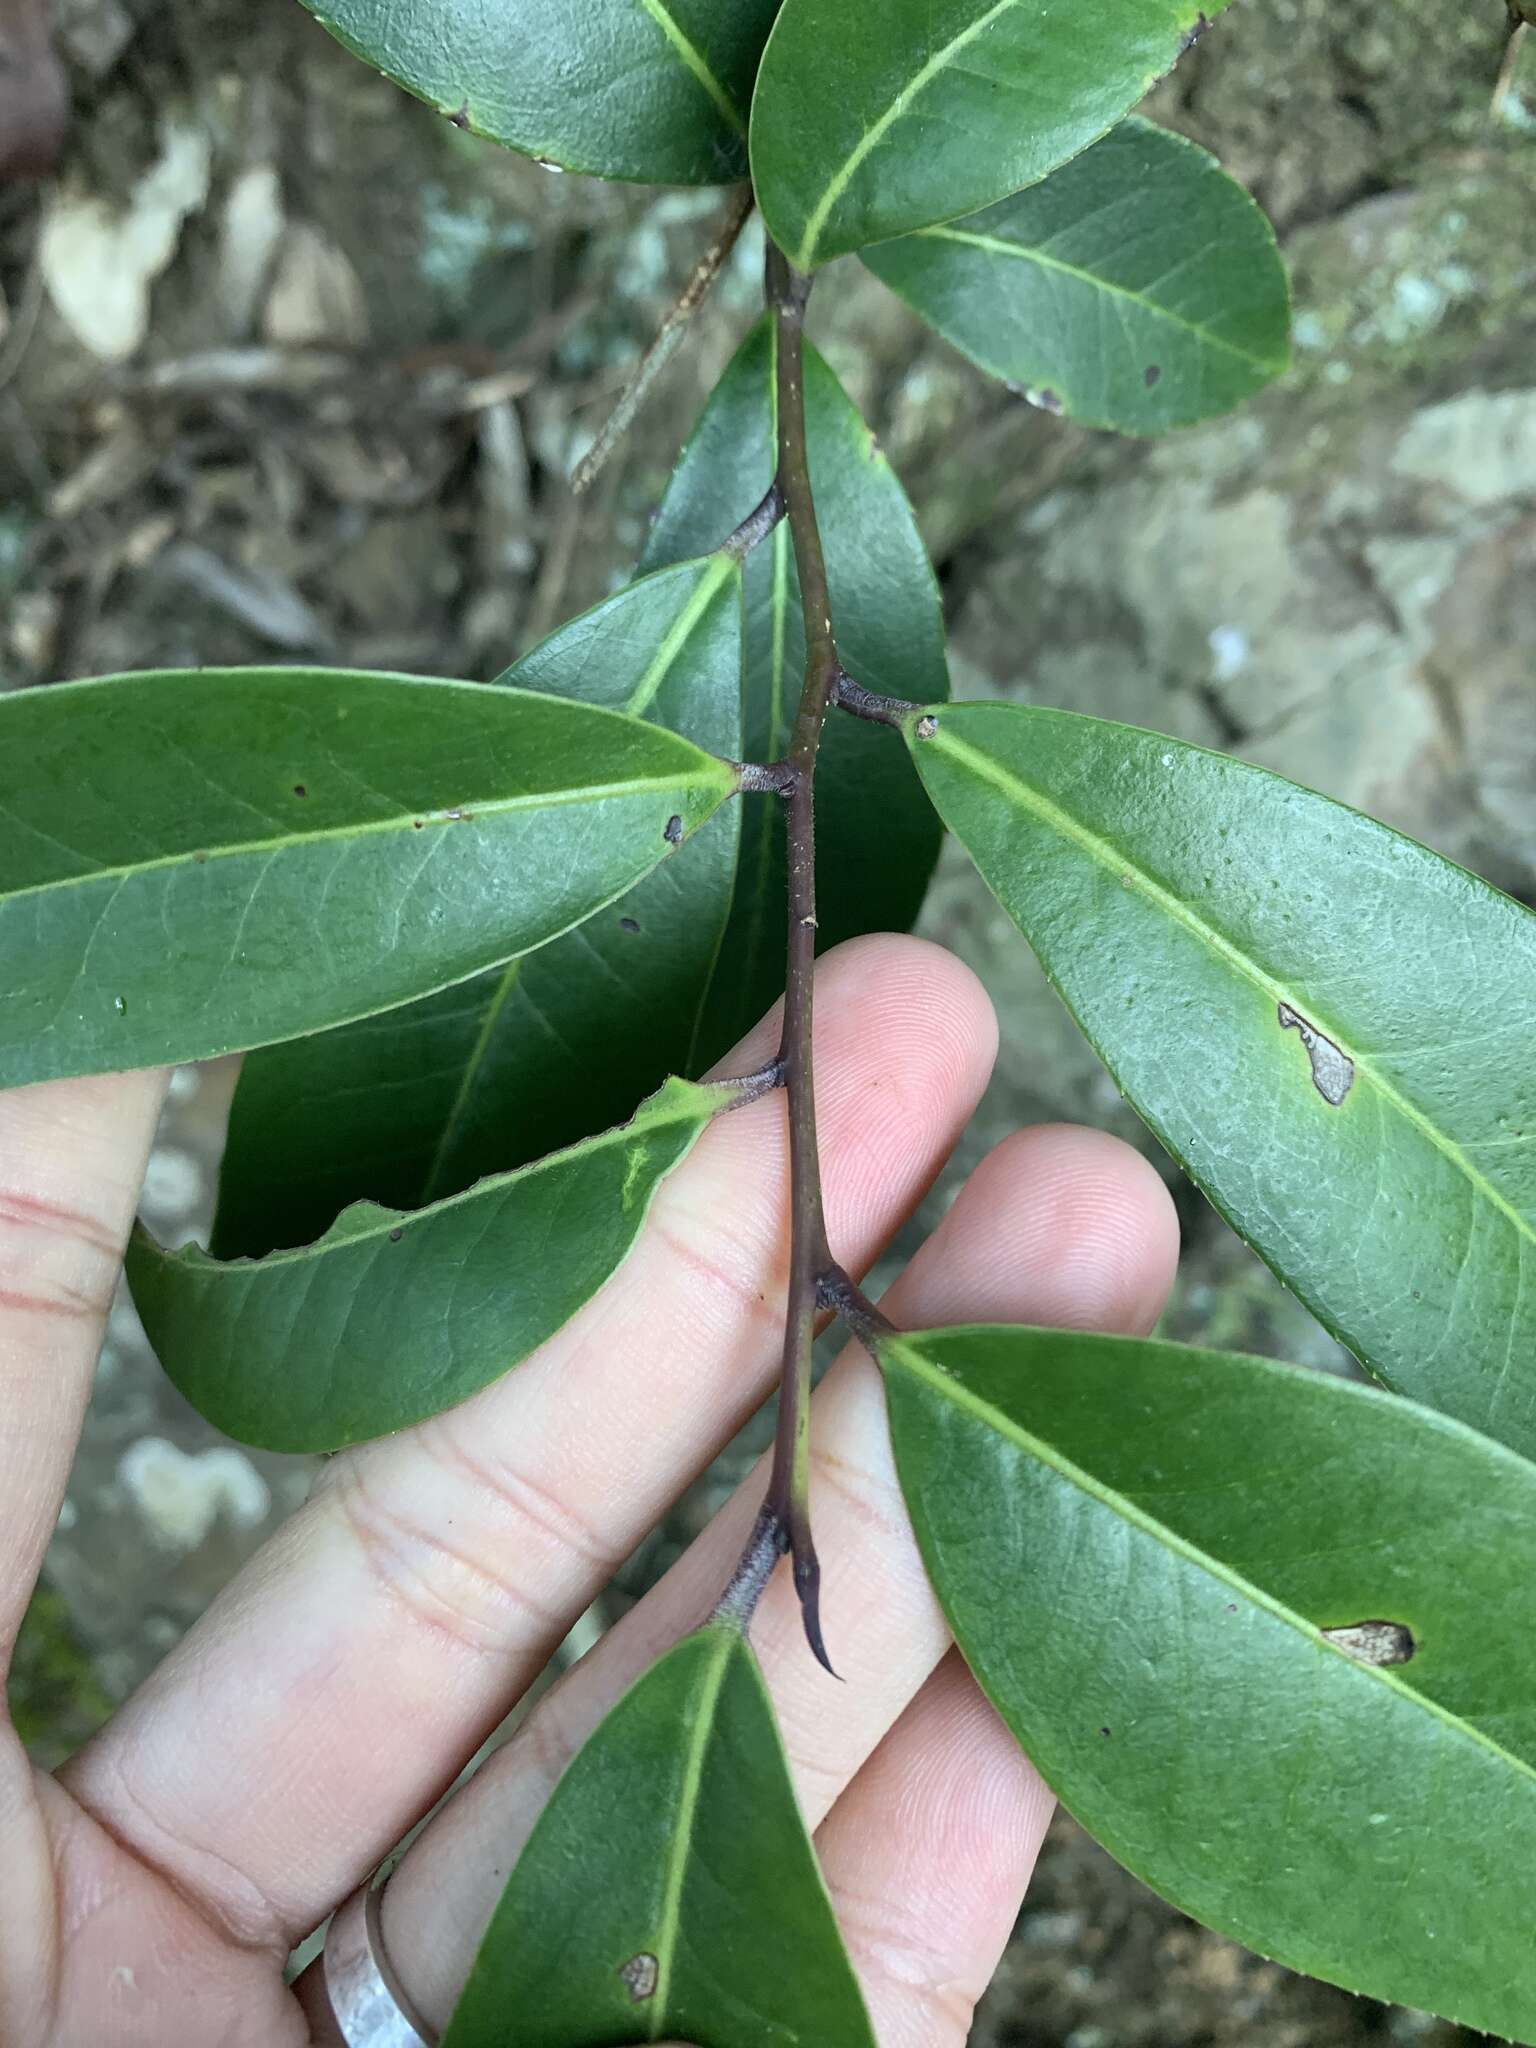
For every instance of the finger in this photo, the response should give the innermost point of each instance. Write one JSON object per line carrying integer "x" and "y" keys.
{"x": 927, "y": 1855}
{"x": 1058, "y": 1225}
{"x": 335, "y": 1691}
{"x": 72, "y": 1156}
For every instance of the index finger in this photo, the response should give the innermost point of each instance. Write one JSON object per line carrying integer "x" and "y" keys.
{"x": 72, "y": 1156}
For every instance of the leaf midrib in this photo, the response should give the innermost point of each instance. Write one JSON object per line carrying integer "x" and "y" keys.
{"x": 1122, "y": 866}
{"x": 999, "y": 245}
{"x": 841, "y": 178}
{"x": 717, "y": 571}
{"x": 692, "y": 60}
{"x": 477, "y": 808}
{"x": 1117, "y": 1503}
{"x": 690, "y": 1789}
{"x": 472, "y": 1066}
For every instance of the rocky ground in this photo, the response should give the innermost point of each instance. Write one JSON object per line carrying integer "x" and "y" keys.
{"x": 290, "y": 369}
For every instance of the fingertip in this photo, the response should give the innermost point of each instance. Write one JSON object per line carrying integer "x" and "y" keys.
{"x": 903, "y": 1029}
{"x": 1059, "y": 1225}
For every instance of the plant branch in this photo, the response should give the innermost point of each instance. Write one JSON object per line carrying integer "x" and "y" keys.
{"x": 665, "y": 344}
{"x": 758, "y": 524}
{"x": 772, "y": 778}
{"x": 741, "y": 1089}
{"x": 788, "y": 1498}
{"x": 848, "y": 1301}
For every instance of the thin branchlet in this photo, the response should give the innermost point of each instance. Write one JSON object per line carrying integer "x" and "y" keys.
{"x": 851, "y": 1305}
{"x": 665, "y": 344}
{"x": 871, "y": 704}
{"x": 771, "y": 778}
{"x": 758, "y": 524}
{"x": 742, "y": 1089}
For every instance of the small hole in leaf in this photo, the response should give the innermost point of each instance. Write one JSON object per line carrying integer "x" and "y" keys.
{"x": 1382, "y": 1643}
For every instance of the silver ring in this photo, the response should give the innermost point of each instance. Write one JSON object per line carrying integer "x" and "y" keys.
{"x": 368, "y": 2002}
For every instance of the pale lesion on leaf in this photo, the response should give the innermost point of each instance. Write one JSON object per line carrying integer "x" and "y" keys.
{"x": 640, "y": 1976}
{"x": 1333, "y": 1071}
{"x": 1381, "y": 1643}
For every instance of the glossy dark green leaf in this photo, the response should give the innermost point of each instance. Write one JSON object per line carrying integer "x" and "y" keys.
{"x": 877, "y": 837}
{"x": 654, "y": 90}
{"x": 196, "y": 861}
{"x": 396, "y": 1314}
{"x": 1268, "y": 1633}
{"x": 1327, "y": 1024}
{"x": 420, "y": 1102}
{"x": 1138, "y": 287}
{"x": 669, "y": 1890}
{"x": 862, "y": 130}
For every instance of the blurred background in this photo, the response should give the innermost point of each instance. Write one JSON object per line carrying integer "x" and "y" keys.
{"x": 290, "y": 369}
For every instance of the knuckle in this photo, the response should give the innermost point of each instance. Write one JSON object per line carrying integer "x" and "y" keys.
{"x": 56, "y": 1262}
{"x": 874, "y": 1504}
{"x": 516, "y": 1496}
{"x": 698, "y": 1254}
{"x": 438, "y": 1586}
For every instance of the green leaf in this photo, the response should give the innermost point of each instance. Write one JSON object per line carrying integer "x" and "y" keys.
{"x": 196, "y": 861}
{"x": 1140, "y": 1547}
{"x": 877, "y": 836}
{"x": 669, "y": 1889}
{"x": 394, "y": 1314}
{"x": 1138, "y": 287}
{"x": 420, "y": 1102}
{"x": 1328, "y": 1025}
{"x": 862, "y": 133}
{"x": 651, "y": 90}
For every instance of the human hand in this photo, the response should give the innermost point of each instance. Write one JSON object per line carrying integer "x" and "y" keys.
{"x": 151, "y": 1893}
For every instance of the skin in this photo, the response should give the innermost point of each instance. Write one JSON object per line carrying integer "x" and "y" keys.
{"x": 151, "y": 1892}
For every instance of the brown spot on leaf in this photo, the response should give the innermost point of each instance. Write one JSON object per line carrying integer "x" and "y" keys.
{"x": 640, "y": 1976}
{"x": 1383, "y": 1643}
{"x": 1333, "y": 1071}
